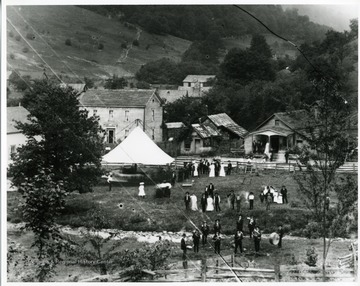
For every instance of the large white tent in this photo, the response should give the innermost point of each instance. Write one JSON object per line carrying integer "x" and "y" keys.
{"x": 137, "y": 148}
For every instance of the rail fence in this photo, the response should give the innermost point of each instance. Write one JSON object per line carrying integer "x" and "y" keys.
{"x": 240, "y": 165}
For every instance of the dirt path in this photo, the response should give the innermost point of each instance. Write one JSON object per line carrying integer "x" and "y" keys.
{"x": 124, "y": 57}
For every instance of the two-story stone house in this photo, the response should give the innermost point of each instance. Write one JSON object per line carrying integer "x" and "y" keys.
{"x": 120, "y": 111}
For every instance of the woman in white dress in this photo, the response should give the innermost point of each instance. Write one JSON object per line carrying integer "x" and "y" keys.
{"x": 212, "y": 170}
{"x": 141, "y": 190}
{"x": 196, "y": 173}
{"x": 222, "y": 170}
{"x": 193, "y": 203}
{"x": 210, "y": 204}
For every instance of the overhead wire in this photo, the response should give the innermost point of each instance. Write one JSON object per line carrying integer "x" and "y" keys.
{"x": 38, "y": 34}
{"x": 9, "y": 21}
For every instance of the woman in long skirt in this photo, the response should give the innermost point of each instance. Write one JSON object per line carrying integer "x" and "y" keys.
{"x": 141, "y": 190}
{"x": 222, "y": 170}
{"x": 210, "y": 204}
{"x": 193, "y": 202}
{"x": 212, "y": 170}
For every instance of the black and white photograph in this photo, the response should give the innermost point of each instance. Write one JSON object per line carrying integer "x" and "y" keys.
{"x": 179, "y": 142}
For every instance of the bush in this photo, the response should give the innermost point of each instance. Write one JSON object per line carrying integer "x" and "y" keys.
{"x": 25, "y": 50}
{"x": 124, "y": 46}
{"x": 12, "y": 56}
{"x": 30, "y": 36}
{"x": 68, "y": 42}
{"x": 17, "y": 38}
{"x": 136, "y": 43}
{"x": 101, "y": 46}
{"x": 143, "y": 85}
{"x": 311, "y": 257}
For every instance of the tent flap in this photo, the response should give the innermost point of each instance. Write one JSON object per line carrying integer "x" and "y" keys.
{"x": 137, "y": 148}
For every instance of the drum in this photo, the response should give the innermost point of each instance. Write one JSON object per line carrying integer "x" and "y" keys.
{"x": 274, "y": 238}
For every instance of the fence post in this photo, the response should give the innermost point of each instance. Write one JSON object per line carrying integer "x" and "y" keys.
{"x": 203, "y": 270}
{"x": 355, "y": 262}
{"x": 232, "y": 260}
{"x": 217, "y": 265}
{"x": 277, "y": 272}
{"x": 354, "y": 167}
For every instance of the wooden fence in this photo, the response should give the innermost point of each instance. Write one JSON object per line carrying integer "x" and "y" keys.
{"x": 241, "y": 166}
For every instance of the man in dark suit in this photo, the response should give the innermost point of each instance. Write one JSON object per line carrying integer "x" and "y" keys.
{"x": 240, "y": 223}
{"x": 238, "y": 241}
{"x": 217, "y": 226}
{"x": 229, "y": 168}
{"x": 217, "y": 202}
{"x": 257, "y": 238}
{"x": 203, "y": 202}
{"x": 283, "y": 192}
{"x": 232, "y": 199}
{"x": 196, "y": 240}
{"x": 205, "y": 229}
{"x": 187, "y": 200}
{"x": 183, "y": 246}
{"x": 217, "y": 239}
{"x": 281, "y": 233}
{"x": 211, "y": 189}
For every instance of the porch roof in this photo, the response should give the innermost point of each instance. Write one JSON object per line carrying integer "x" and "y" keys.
{"x": 273, "y": 131}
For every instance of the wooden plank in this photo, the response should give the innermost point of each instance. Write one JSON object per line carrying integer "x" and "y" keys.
{"x": 148, "y": 272}
{"x": 242, "y": 269}
{"x": 316, "y": 275}
{"x": 174, "y": 271}
{"x": 284, "y": 268}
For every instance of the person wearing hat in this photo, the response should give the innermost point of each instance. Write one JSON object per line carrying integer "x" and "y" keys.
{"x": 217, "y": 202}
{"x": 238, "y": 241}
{"x": 257, "y": 238}
{"x": 196, "y": 240}
{"x": 203, "y": 202}
{"x": 251, "y": 225}
{"x": 283, "y": 192}
{"x": 280, "y": 232}
{"x": 183, "y": 246}
{"x": 141, "y": 190}
{"x": 187, "y": 200}
{"x": 217, "y": 239}
{"x": 205, "y": 229}
{"x": 217, "y": 226}
{"x": 251, "y": 198}
{"x": 240, "y": 223}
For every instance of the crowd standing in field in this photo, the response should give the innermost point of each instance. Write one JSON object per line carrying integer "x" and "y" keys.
{"x": 211, "y": 201}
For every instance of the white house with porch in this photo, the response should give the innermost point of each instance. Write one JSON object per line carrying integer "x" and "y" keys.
{"x": 281, "y": 131}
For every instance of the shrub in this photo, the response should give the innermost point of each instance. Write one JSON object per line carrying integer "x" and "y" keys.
{"x": 101, "y": 46}
{"x": 25, "y": 50}
{"x": 136, "y": 43}
{"x": 30, "y": 36}
{"x": 143, "y": 85}
{"x": 68, "y": 42}
{"x": 17, "y": 38}
{"x": 124, "y": 46}
{"x": 311, "y": 257}
{"x": 12, "y": 56}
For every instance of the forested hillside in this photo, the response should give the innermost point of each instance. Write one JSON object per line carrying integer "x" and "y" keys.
{"x": 196, "y": 22}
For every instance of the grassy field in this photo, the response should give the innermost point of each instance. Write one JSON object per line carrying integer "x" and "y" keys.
{"x": 151, "y": 214}
{"x": 47, "y": 28}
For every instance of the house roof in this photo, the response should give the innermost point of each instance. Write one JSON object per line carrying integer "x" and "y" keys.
{"x": 198, "y": 78}
{"x": 205, "y": 131}
{"x": 171, "y": 95}
{"x": 224, "y": 120}
{"x": 170, "y": 125}
{"x": 297, "y": 119}
{"x": 116, "y": 98}
{"x": 17, "y": 113}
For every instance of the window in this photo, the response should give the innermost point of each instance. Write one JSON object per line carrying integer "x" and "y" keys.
{"x": 277, "y": 122}
{"x": 153, "y": 134}
{"x": 12, "y": 149}
{"x": 207, "y": 142}
{"x": 126, "y": 115}
{"x": 111, "y": 136}
{"x": 94, "y": 112}
{"x": 111, "y": 114}
{"x": 187, "y": 144}
{"x": 153, "y": 114}
{"x": 126, "y": 133}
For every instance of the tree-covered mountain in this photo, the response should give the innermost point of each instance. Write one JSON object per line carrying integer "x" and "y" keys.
{"x": 195, "y": 22}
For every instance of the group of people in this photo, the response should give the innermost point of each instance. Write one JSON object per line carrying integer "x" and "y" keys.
{"x": 210, "y": 200}
{"x": 253, "y": 230}
{"x": 216, "y": 168}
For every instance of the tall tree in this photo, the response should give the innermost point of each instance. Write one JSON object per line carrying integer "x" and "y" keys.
{"x": 259, "y": 46}
{"x": 61, "y": 138}
{"x": 326, "y": 150}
